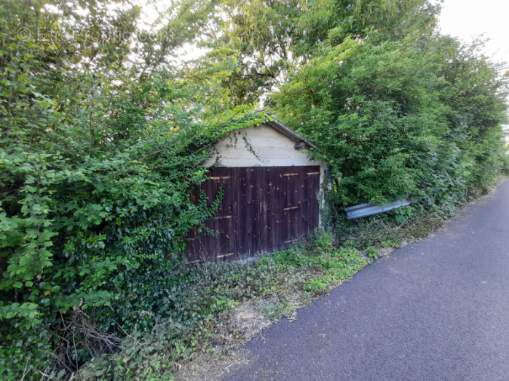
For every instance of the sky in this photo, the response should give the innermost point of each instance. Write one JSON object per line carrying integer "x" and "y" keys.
{"x": 470, "y": 19}
{"x": 464, "y": 19}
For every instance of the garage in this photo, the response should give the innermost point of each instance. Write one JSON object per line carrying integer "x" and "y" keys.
{"x": 270, "y": 192}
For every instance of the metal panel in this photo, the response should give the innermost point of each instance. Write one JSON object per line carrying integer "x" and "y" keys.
{"x": 364, "y": 210}
{"x": 263, "y": 209}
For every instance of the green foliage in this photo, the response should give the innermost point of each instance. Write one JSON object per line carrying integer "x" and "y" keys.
{"x": 98, "y": 163}
{"x": 103, "y": 133}
{"x": 253, "y": 45}
{"x": 505, "y": 165}
{"x": 389, "y": 121}
{"x": 200, "y": 300}
{"x": 338, "y": 267}
{"x": 372, "y": 253}
{"x": 100, "y": 235}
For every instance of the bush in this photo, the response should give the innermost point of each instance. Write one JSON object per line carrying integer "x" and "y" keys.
{"x": 98, "y": 237}
{"x": 96, "y": 176}
{"x": 99, "y": 156}
{"x": 394, "y": 120}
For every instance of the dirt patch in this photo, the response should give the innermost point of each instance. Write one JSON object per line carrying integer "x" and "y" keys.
{"x": 210, "y": 365}
{"x": 236, "y": 327}
{"x": 386, "y": 251}
{"x": 249, "y": 319}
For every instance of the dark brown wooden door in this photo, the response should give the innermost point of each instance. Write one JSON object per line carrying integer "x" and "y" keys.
{"x": 262, "y": 209}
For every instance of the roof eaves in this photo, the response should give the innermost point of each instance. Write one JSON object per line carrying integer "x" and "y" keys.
{"x": 289, "y": 133}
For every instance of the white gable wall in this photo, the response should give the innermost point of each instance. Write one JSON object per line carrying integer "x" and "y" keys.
{"x": 258, "y": 147}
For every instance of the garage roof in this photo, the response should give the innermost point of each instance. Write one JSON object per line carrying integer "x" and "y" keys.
{"x": 300, "y": 141}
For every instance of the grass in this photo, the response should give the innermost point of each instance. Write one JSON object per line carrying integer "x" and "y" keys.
{"x": 213, "y": 298}
{"x": 221, "y": 305}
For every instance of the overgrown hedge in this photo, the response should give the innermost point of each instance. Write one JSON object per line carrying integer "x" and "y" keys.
{"x": 98, "y": 156}
{"x": 96, "y": 172}
{"x": 409, "y": 118}
{"x": 87, "y": 242}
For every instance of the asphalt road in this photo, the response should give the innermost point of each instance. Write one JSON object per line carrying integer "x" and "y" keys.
{"x": 437, "y": 309}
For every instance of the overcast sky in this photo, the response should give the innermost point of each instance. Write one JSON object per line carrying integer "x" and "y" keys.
{"x": 468, "y": 19}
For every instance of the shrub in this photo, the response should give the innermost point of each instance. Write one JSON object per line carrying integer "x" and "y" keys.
{"x": 96, "y": 175}
{"x": 409, "y": 118}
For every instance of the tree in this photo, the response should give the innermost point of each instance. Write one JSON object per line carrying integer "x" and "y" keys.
{"x": 416, "y": 118}
{"x": 253, "y": 45}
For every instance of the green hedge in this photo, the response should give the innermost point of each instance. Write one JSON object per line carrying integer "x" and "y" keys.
{"x": 416, "y": 119}
{"x": 99, "y": 156}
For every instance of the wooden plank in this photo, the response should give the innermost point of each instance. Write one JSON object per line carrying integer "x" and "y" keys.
{"x": 299, "y": 197}
{"x": 272, "y": 203}
{"x": 226, "y": 224}
{"x": 251, "y": 211}
{"x": 261, "y": 219}
{"x": 268, "y": 208}
{"x": 284, "y": 203}
{"x": 263, "y": 209}
{"x": 243, "y": 212}
{"x": 235, "y": 172}
{"x": 305, "y": 210}
{"x": 276, "y": 209}
{"x": 211, "y": 247}
{"x": 293, "y": 205}
{"x": 314, "y": 207}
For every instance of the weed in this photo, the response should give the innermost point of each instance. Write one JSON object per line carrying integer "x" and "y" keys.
{"x": 372, "y": 253}
{"x": 203, "y": 309}
{"x": 212, "y": 304}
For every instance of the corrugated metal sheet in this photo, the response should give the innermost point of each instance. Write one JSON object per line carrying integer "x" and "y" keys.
{"x": 364, "y": 210}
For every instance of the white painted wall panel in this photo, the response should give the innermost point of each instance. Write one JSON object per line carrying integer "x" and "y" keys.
{"x": 258, "y": 146}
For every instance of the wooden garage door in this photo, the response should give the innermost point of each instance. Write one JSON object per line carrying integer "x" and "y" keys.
{"x": 262, "y": 209}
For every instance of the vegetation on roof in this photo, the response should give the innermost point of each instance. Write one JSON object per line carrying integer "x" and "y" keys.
{"x": 104, "y": 127}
